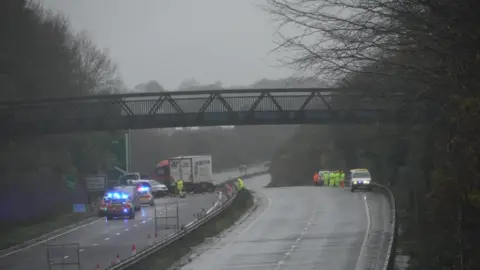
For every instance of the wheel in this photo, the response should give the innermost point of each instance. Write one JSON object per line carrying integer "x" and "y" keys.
{"x": 352, "y": 190}
{"x": 109, "y": 217}
{"x": 369, "y": 189}
{"x": 132, "y": 215}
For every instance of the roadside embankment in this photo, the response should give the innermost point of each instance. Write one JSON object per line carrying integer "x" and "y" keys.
{"x": 167, "y": 256}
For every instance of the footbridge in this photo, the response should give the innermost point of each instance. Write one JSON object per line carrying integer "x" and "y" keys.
{"x": 206, "y": 108}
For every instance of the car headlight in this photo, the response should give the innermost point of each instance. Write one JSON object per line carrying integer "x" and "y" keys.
{"x": 355, "y": 182}
{"x": 367, "y": 181}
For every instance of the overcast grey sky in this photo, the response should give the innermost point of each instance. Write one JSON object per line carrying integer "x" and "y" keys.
{"x": 173, "y": 40}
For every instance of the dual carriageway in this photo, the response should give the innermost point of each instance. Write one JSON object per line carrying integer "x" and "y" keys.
{"x": 292, "y": 228}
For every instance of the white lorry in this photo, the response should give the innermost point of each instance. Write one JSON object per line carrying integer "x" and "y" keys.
{"x": 195, "y": 171}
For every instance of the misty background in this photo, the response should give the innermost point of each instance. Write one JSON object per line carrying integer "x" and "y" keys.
{"x": 173, "y": 40}
{"x": 90, "y": 47}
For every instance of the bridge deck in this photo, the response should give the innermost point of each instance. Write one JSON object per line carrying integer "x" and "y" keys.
{"x": 204, "y": 108}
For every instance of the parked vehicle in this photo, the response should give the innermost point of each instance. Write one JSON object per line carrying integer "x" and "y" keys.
{"x": 195, "y": 171}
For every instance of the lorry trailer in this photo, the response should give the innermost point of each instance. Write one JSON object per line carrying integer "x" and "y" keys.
{"x": 195, "y": 171}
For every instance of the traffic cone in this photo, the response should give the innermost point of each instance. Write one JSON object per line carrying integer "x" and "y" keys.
{"x": 118, "y": 258}
{"x": 98, "y": 267}
{"x": 134, "y": 250}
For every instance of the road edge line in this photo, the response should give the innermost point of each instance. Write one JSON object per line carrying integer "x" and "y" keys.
{"x": 49, "y": 238}
{"x": 367, "y": 233}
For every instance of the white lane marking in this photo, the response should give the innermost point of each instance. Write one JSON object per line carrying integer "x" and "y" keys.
{"x": 49, "y": 239}
{"x": 106, "y": 239}
{"x": 258, "y": 218}
{"x": 58, "y": 235}
{"x": 126, "y": 229}
{"x": 65, "y": 257}
{"x": 81, "y": 250}
{"x": 95, "y": 244}
{"x": 367, "y": 233}
{"x": 134, "y": 225}
{"x": 117, "y": 233}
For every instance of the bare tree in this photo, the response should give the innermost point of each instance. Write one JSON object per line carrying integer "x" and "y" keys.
{"x": 434, "y": 43}
{"x": 95, "y": 70}
{"x": 339, "y": 36}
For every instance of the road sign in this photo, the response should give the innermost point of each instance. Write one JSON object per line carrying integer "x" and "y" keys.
{"x": 70, "y": 179}
{"x": 79, "y": 208}
{"x": 118, "y": 147}
{"x": 96, "y": 182}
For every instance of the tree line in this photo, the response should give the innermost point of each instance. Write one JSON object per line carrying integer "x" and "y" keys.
{"x": 41, "y": 57}
{"x": 429, "y": 51}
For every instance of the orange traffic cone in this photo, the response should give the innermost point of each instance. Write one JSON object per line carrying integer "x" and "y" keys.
{"x": 134, "y": 250}
{"x": 98, "y": 267}
{"x": 342, "y": 184}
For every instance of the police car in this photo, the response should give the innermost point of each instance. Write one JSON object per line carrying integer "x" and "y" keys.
{"x": 123, "y": 201}
{"x": 360, "y": 179}
{"x": 145, "y": 192}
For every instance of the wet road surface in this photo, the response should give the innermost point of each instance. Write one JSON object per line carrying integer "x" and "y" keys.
{"x": 101, "y": 241}
{"x": 300, "y": 228}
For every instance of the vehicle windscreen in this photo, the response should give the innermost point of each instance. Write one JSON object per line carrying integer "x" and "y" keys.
{"x": 361, "y": 175}
{"x": 160, "y": 171}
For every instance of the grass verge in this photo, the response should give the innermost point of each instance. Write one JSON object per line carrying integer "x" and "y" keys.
{"x": 23, "y": 233}
{"x": 165, "y": 258}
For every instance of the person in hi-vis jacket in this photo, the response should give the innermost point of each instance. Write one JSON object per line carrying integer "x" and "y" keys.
{"x": 180, "y": 187}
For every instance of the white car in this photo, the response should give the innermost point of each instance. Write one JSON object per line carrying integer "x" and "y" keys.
{"x": 158, "y": 189}
{"x": 360, "y": 179}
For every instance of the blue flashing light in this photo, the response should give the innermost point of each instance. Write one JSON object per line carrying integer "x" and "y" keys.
{"x": 117, "y": 195}
{"x": 143, "y": 189}
{"x": 125, "y": 210}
